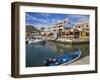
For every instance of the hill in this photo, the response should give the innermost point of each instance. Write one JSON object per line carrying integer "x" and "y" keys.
{"x": 31, "y": 29}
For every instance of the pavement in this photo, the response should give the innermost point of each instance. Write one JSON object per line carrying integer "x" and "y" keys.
{"x": 84, "y": 60}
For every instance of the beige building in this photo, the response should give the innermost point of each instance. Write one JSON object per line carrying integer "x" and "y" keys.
{"x": 83, "y": 28}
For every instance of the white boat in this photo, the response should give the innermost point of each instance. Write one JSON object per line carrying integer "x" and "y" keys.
{"x": 36, "y": 41}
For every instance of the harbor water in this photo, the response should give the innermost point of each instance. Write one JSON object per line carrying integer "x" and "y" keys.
{"x": 36, "y": 54}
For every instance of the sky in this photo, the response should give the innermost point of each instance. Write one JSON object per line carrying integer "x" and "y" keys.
{"x": 46, "y": 20}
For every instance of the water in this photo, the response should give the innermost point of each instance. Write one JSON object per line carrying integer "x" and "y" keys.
{"x": 37, "y": 54}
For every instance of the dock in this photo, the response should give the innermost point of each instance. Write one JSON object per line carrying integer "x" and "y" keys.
{"x": 69, "y": 40}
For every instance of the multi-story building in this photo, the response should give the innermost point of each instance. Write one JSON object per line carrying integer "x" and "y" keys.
{"x": 58, "y": 27}
{"x": 83, "y": 28}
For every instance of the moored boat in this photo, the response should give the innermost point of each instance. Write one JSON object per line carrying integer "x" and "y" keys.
{"x": 36, "y": 41}
{"x": 65, "y": 59}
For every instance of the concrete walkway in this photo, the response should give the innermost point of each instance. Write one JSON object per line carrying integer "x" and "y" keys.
{"x": 69, "y": 40}
{"x": 84, "y": 60}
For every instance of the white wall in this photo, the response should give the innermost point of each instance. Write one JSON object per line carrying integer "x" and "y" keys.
{"x": 5, "y": 40}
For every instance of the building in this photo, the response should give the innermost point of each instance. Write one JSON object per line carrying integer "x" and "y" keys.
{"x": 83, "y": 29}
{"x": 57, "y": 27}
{"x": 80, "y": 30}
{"x": 69, "y": 32}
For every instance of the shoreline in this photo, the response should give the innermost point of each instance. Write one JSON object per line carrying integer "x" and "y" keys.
{"x": 69, "y": 41}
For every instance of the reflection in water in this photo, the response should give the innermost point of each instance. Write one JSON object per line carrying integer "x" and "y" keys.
{"x": 37, "y": 54}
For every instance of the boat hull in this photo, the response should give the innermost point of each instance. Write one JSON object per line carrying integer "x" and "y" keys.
{"x": 36, "y": 41}
{"x": 64, "y": 59}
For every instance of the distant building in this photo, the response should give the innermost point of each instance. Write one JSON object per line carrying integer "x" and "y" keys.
{"x": 58, "y": 27}
{"x": 83, "y": 28}
{"x": 69, "y": 31}
{"x": 80, "y": 30}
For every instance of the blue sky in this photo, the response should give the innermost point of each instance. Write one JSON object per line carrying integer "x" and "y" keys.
{"x": 49, "y": 19}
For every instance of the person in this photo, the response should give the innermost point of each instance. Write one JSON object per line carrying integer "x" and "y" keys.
{"x": 48, "y": 61}
{"x": 54, "y": 60}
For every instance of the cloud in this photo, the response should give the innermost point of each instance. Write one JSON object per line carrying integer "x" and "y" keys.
{"x": 45, "y": 14}
{"x": 79, "y": 17}
{"x": 55, "y": 21}
{"x": 39, "y": 26}
{"x": 33, "y": 18}
{"x": 48, "y": 20}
